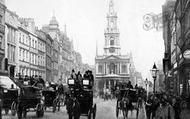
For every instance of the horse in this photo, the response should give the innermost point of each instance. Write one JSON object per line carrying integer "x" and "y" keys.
{"x": 73, "y": 107}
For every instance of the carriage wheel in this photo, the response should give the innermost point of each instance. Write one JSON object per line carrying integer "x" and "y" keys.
{"x": 19, "y": 111}
{"x": 117, "y": 110}
{"x": 54, "y": 105}
{"x": 39, "y": 110}
{"x": 137, "y": 114}
{"x": 89, "y": 113}
{"x": 94, "y": 111}
{"x": 58, "y": 105}
{"x": 6, "y": 111}
{"x": 24, "y": 113}
{"x": 42, "y": 113}
{"x": 13, "y": 108}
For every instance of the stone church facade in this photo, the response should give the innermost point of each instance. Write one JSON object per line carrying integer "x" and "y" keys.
{"x": 112, "y": 67}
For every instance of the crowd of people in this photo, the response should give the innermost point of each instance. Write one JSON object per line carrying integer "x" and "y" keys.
{"x": 33, "y": 80}
{"x": 163, "y": 106}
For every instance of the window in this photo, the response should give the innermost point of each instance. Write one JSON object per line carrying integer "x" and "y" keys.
{"x": 8, "y": 34}
{"x": 8, "y": 51}
{"x": 124, "y": 69}
{"x": 35, "y": 44}
{"x": 1, "y": 18}
{"x": 112, "y": 42}
{"x": 13, "y": 53}
{"x": 27, "y": 56}
{"x": 34, "y": 59}
{"x": 20, "y": 36}
{"x": 26, "y": 38}
{"x": 31, "y": 58}
{"x": 20, "y": 52}
{"x": 32, "y": 44}
{"x": 38, "y": 60}
{"x": 22, "y": 40}
{"x": 100, "y": 69}
{"x": 23, "y": 55}
{"x": 14, "y": 36}
{"x": 1, "y": 42}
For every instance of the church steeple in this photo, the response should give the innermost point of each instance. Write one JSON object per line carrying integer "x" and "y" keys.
{"x": 111, "y": 8}
{"x": 112, "y": 44}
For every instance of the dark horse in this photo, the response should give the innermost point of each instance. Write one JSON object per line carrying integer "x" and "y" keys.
{"x": 73, "y": 107}
{"x": 129, "y": 103}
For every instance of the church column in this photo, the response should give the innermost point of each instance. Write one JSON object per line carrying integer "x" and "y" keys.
{"x": 109, "y": 84}
{"x": 105, "y": 68}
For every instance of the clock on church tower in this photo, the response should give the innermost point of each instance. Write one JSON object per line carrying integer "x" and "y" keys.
{"x": 111, "y": 50}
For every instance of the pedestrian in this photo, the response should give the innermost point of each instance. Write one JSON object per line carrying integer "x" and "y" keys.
{"x": 176, "y": 107}
{"x": 185, "y": 113}
{"x": 155, "y": 105}
{"x": 148, "y": 106}
{"x": 165, "y": 110}
{"x": 73, "y": 74}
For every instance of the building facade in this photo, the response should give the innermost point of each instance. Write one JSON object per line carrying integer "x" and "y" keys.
{"x": 111, "y": 66}
{"x": 178, "y": 77}
{"x": 41, "y": 52}
{"x": 49, "y": 59}
{"x": 167, "y": 10}
{"x": 11, "y": 41}
{"x": 2, "y": 36}
{"x": 53, "y": 30}
{"x": 28, "y": 48}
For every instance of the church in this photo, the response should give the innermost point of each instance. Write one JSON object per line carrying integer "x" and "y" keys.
{"x": 112, "y": 66}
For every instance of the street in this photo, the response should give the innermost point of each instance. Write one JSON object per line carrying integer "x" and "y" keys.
{"x": 105, "y": 110}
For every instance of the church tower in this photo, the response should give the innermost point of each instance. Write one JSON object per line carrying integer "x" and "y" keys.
{"x": 112, "y": 43}
{"x": 112, "y": 66}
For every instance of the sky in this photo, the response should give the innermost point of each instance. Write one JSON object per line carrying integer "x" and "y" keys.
{"x": 86, "y": 21}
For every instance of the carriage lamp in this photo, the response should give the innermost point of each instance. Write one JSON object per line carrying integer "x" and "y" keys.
{"x": 154, "y": 72}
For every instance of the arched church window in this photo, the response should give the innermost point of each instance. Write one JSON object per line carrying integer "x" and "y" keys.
{"x": 112, "y": 41}
{"x": 112, "y": 68}
{"x": 124, "y": 69}
{"x": 100, "y": 69}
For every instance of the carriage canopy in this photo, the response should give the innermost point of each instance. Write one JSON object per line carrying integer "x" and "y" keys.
{"x": 7, "y": 83}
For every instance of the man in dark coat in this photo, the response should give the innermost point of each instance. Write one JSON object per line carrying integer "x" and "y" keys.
{"x": 73, "y": 74}
{"x": 129, "y": 85}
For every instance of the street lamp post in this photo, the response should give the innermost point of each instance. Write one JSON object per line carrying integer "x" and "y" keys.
{"x": 189, "y": 86}
{"x": 146, "y": 83}
{"x": 154, "y": 72}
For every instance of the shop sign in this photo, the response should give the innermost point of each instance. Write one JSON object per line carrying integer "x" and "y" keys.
{"x": 186, "y": 54}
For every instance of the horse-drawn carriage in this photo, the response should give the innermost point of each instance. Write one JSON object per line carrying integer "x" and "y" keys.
{"x": 80, "y": 99}
{"x": 127, "y": 100}
{"x": 52, "y": 97}
{"x": 9, "y": 94}
{"x": 30, "y": 99}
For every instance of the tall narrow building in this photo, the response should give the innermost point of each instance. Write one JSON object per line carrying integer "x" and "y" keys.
{"x": 111, "y": 67}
